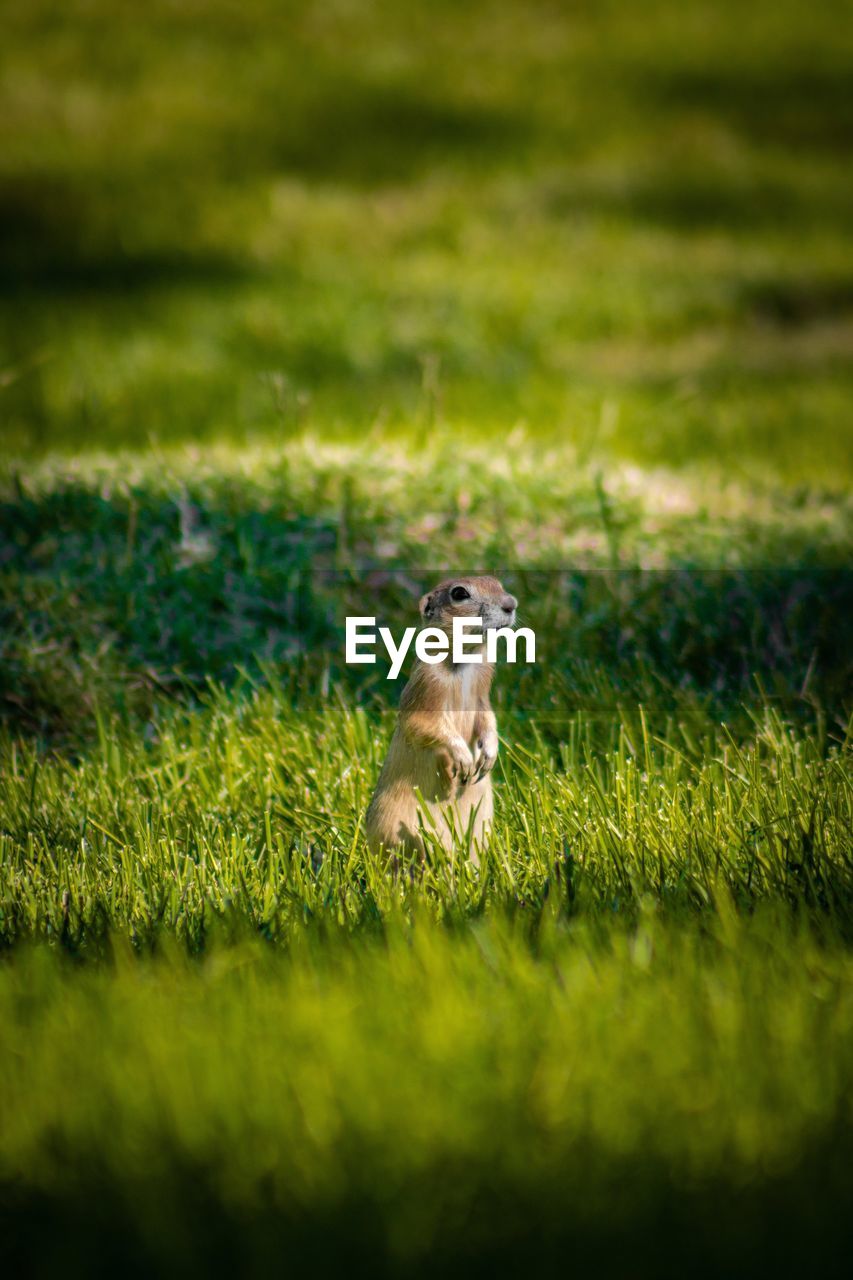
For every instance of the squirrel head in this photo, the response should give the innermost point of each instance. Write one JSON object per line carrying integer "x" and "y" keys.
{"x": 482, "y": 597}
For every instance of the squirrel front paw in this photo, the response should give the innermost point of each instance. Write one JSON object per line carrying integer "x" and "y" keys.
{"x": 455, "y": 761}
{"x": 485, "y": 755}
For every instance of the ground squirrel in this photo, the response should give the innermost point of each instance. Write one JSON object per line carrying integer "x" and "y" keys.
{"x": 437, "y": 775}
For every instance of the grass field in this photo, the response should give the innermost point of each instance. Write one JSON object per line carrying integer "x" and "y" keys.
{"x": 303, "y": 307}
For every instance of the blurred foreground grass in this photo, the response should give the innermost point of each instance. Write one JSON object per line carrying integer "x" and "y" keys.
{"x": 304, "y": 306}
{"x": 468, "y": 1100}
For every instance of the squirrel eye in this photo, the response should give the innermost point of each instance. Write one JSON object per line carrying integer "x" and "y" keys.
{"x": 460, "y": 593}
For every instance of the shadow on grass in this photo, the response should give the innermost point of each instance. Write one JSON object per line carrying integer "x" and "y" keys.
{"x": 365, "y": 133}
{"x": 70, "y": 234}
{"x": 696, "y": 199}
{"x": 129, "y": 596}
{"x": 802, "y": 108}
{"x": 796, "y": 303}
{"x": 59, "y": 236}
{"x": 114, "y": 598}
{"x": 598, "y": 1213}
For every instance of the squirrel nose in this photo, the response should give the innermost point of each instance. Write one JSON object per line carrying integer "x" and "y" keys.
{"x": 508, "y": 604}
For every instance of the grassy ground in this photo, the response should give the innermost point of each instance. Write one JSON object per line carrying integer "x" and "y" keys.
{"x": 301, "y": 308}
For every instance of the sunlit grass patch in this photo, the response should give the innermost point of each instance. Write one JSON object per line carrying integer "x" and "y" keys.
{"x": 252, "y": 813}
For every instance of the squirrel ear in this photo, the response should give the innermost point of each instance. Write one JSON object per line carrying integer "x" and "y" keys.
{"x": 425, "y": 605}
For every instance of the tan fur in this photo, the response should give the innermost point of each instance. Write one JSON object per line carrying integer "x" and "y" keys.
{"x": 437, "y": 775}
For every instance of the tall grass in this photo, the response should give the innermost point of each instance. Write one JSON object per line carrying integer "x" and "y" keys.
{"x": 255, "y": 815}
